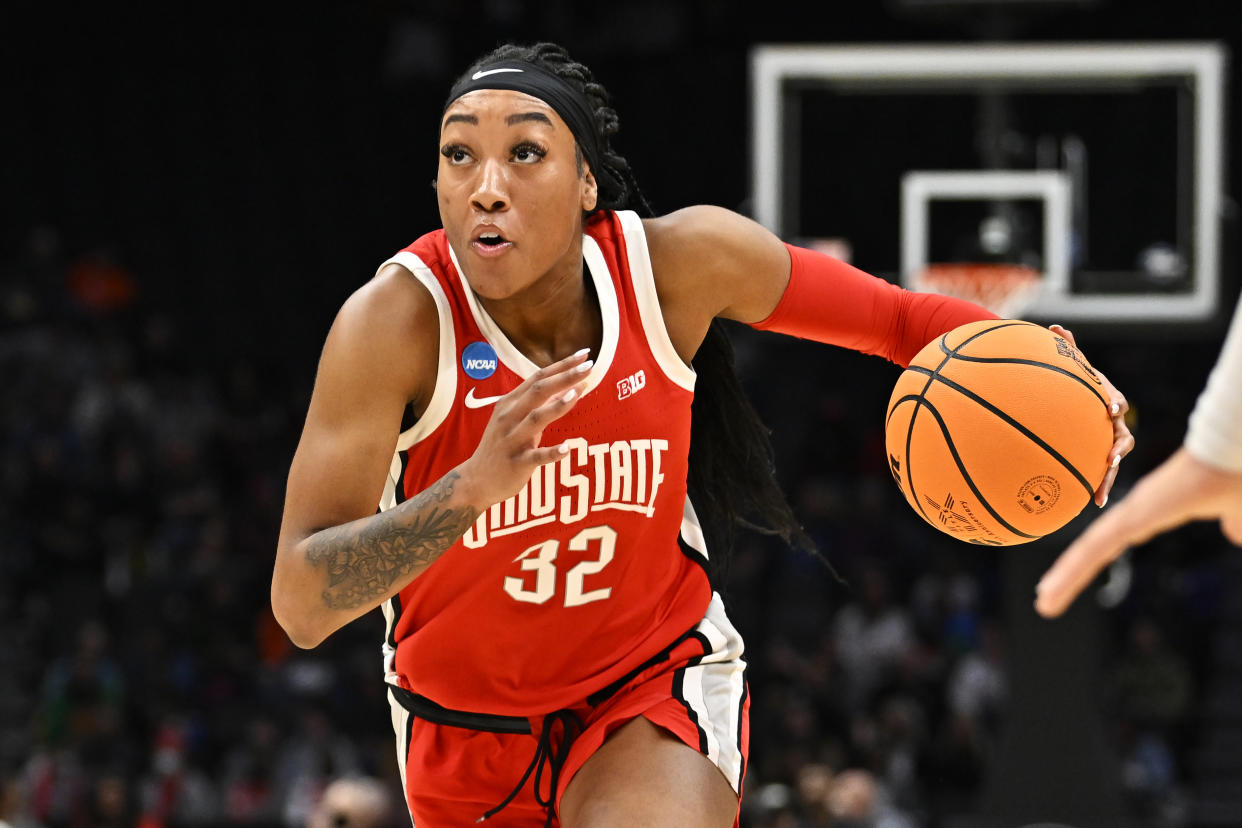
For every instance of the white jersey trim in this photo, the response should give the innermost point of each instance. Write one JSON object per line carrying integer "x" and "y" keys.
{"x": 446, "y": 375}
{"x": 389, "y": 652}
{"x": 692, "y": 530}
{"x": 515, "y": 360}
{"x": 642, "y": 277}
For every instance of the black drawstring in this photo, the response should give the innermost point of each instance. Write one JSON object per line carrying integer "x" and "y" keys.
{"x": 571, "y": 726}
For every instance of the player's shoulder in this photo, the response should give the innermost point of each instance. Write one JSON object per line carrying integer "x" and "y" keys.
{"x": 709, "y": 251}
{"x": 684, "y": 244}
{"x": 704, "y": 236}
{"x": 700, "y": 228}
{"x": 392, "y": 302}
{"x": 395, "y": 293}
{"x": 388, "y": 330}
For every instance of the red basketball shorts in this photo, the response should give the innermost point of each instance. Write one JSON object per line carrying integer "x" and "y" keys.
{"x": 458, "y": 766}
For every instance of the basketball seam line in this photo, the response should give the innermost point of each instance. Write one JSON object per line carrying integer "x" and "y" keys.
{"x": 1037, "y": 364}
{"x": 1030, "y": 435}
{"x": 1005, "y": 323}
{"x": 920, "y": 399}
{"x": 961, "y": 467}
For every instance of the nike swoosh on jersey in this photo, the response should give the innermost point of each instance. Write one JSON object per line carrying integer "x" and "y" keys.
{"x": 478, "y": 75}
{"x": 478, "y": 402}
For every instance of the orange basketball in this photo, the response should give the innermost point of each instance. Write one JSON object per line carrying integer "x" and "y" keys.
{"x": 999, "y": 432}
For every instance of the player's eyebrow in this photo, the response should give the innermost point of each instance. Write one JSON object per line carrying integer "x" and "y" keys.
{"x": 521, "y": 117}
{"x": 517, "y": 118}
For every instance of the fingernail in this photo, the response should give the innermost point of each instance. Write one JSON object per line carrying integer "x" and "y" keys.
{"x": 584, "y": 367}
{"x": 1105, "y": 502}
{"x": 1114, "y": 408}
{"x": 582, "y": 352}
{"x": 563, "y": 448}
{"x": 569, "y": 395}
{"x": 1116, "y": 461}
{"x": 1039, "y": 587}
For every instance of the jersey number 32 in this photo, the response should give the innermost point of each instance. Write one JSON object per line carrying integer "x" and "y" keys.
{"x": 541, "y": 559}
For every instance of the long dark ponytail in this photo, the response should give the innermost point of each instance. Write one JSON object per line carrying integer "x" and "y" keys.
{"x": 732, "y": 478}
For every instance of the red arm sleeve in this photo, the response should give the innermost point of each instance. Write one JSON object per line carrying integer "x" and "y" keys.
{"x": 830, "y": 301}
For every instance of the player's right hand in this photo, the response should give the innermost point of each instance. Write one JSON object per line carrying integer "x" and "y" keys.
{"x": 511, "y": 446}
{"x": 1181, "y": 489}
{"x": 1123, "y": 440}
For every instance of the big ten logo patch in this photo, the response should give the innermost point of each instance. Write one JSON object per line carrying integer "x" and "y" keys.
{"x": 478, "y": 360}
{"x": 1067, "y": 350}
{"x": 631, "y": 385}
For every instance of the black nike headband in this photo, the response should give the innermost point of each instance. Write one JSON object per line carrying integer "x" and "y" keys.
{"x": 565, "y": 100}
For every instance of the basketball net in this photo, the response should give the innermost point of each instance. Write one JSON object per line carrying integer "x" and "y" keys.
{"x": 1007, "y": 290}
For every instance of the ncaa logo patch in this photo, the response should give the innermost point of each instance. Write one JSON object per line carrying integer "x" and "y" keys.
{"x": 478, "y": 360}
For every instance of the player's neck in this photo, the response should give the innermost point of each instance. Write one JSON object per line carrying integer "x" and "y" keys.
{"x": 553, "y": 318}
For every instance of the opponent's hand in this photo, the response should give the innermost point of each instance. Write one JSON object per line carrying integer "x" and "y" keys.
{"x": 510, "y": 449}
{"x": 1181, "y": 489}
{"x": 1123, "y": 440}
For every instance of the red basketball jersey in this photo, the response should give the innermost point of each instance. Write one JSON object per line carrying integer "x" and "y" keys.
{"x": 598, "y": 563}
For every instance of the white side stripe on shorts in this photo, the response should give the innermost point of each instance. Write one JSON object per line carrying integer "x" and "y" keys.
{"x": 712, "y": 690}
{"x": 401, "y": 729}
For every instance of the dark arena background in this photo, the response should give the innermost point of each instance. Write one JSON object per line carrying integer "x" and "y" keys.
{"x": 191, "y": 191}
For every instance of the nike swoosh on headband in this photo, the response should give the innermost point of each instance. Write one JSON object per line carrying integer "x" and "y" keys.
{"x": 478, "y": 75}
{"x": 478, "y": 402}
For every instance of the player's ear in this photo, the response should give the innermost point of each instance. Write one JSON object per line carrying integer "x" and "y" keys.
{"x": 590, "y": 189}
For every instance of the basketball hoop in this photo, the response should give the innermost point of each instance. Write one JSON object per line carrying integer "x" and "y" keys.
{"x": 1005, "y": 289}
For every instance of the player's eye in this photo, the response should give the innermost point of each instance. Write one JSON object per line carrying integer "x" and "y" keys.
{"x": 455, "y": 153}
{"x": 528, "y": 153}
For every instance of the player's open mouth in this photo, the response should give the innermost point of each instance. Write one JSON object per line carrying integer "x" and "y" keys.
{"x": 490, "y": 244}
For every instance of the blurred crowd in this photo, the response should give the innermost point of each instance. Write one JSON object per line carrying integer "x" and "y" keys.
{"x": 144, "y": 682}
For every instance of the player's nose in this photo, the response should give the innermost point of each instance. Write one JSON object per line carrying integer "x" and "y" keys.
{"x": 491, "y": 187}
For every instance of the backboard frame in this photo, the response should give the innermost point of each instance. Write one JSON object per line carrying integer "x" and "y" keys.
{"x": 1080, "y": 66}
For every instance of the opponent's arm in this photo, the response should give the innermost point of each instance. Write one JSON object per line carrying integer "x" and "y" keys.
{"x": 1181, "y": 489}
{"x": 1201, "y": 481}
{"x": 336, "y": 558}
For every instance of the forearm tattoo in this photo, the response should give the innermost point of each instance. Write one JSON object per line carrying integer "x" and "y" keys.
{"x": 365, "y": 558}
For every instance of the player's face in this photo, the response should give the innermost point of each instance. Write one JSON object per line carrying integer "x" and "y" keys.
{"x": 510, "y": 189}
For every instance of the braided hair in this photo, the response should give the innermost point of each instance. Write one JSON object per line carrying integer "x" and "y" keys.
{"x": 732, "y": 476}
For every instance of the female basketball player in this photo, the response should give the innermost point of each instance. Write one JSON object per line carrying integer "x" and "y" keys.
{"x": 515, "y": 391}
